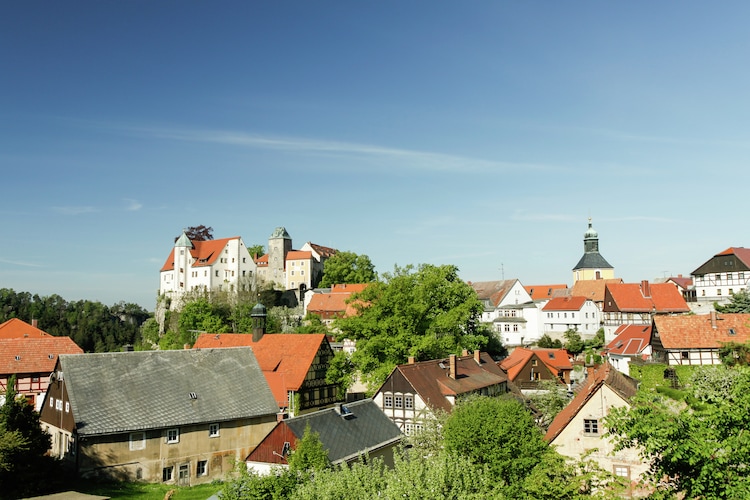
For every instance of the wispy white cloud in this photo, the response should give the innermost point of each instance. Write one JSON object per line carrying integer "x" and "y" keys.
{"x": 19, "y": 263}
{"x": 383, "y": 157}
{"x": 133, "y": 205}
{"x": 75, "y": 210}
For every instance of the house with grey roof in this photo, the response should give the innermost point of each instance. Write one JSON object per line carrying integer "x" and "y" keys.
{"x": 347, "y": 431}
{"x": 180, "y": 417}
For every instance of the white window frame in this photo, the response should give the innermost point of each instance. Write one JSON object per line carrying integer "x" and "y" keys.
{"x": 213, "y": 430}
{"x": 201, "y": 468}
{"x": 173, "y": 436}
{"x": 387, "y": 400}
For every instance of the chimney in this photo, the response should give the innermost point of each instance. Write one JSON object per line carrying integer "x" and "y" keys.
{"x": 476, "y": 357}
{"x": 35, "y": 323}
{"x": 645, "y": 288}
{"x": 452, "y": 366}
{"x": 713, "y": 320}
{"x": 411, "y": 360}
{"x": 465, "y": 352}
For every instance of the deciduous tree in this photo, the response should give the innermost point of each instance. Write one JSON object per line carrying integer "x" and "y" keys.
{"x": 348, "y": 267}
{"x": 427, "y": 313}
{"x": 694, "y": 453}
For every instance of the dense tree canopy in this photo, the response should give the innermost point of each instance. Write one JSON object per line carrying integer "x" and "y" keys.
{"x": 348, "y": 267}
{"x": 703, "y": 451}
{"x": 92, "y": 325}
{"x": 427, "y": 313}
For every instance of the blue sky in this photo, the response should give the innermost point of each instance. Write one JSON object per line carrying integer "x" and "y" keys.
{"x": 481, "y": 134}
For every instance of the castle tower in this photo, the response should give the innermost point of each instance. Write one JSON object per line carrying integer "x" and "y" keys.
{"x": 279, "y": 244}
{"x": 592, "y": 265}
{"x": 182, "y": 259}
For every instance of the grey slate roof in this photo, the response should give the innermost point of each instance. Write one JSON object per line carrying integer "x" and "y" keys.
{"x": 365, "y": 428}
{"x": 128, "y": 391}
{"x": 592, "y": 260}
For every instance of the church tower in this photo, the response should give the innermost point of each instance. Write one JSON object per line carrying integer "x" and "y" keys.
{"x": 592, "y": 265}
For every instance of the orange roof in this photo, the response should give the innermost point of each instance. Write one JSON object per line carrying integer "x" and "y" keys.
{"x": 702, "y": 330}
{"x": 565, "y": 304}
{"x": 205, "y": 252}
{"x": 623, "y": 385}
{"x": 287, "y": 354}
{"x": 34, "y": 354}
{"x": 630, "y": 340}
{"x": 554, "y": 359}
{"x": 645, "y": 297}
{"x": 15, "y": 328}
{"x": 262, "y": 261}
{"x": 741, "y": 253}
{"x": 681, "y": 281}
{"x": 592, "y": 289}
{"x": 298, "y": 255}
{"x": 539, "y": 292}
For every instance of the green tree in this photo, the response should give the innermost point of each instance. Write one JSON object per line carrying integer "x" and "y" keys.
{"x": 150, "y": 334}
{"x": 739, "y": 302}
{"x": 573, "y": 342}
{"x": 703, "y": 452}
{"x": 428, "y": 313}
{"x": 312, "y": 324}
{"x": 497, "y": 432}
{"x": 348, "y": 267}
{"x": 341, "y": 371}
{"x": 309, "y": 454}
{"x": 256, "y": 250}
{"x": 201, "y": 316}
{"x": 734, "y": 353}
{"x": 546, "y": 342}
{"x": 24, "y": 466}
{"x": 245, "y": 484}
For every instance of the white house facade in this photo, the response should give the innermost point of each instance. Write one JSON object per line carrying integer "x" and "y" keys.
{"x": 203, "y": 266}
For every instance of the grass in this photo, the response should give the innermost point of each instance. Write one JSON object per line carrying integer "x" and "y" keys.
{"x": 148, "y": 491}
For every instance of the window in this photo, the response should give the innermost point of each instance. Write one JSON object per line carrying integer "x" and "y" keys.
{"x": 590, "y": 426}
{"x": 533, "y": 362}
{"x": 217, "y": 273}
{"x": 731, "y": 291}
{"x": 184, "y": 472}
{"x": 173, "y": 436}
{"x": 137, "y": 441}
{"x": 58, "y": 405}
{"x": 51, "y": 402}
{"x": 213, "y": 430}
{"x": 409, "y": 402}
{"x": 515, "y": 328}
{"x": 388, "y": 401}
{"x": 67, "y": 407}
{"x": 399, "y": 401}
{"x": 202, "y": 468}
{"x": 718, "y": 277}
{"x": 718, "y": 291}
{"x": 622, "y": 471}
{"x": 167, "y": 473}
{"x": 685, "y": 355}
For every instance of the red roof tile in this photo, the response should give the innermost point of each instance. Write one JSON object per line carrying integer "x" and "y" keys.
{"x": 205, "y": 252}
{"x": 645, "y": 297}
{"x": 324, "y": 252}
{"x": 623, "y": 385}
{"x": 554, "y": 359}
{"x": 592, "y": 289}
{"x": 741, "y": 253}
{"x": 539, "y": 292}
{"x": 298, "y": 255}
{"x": 16, "y": 328}
{"x": 630, "y": 340}
{"x": 701, "y": 331}
{"x": 286, "y": 354}
{"x": 34, "y": 354}
{"x": 565, "y": 304}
